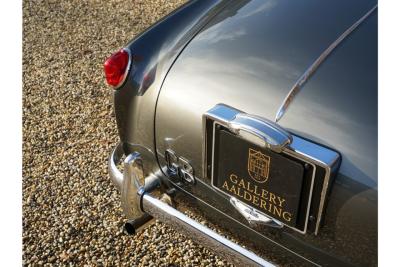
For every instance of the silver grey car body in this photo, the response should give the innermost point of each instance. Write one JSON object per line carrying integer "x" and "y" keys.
{"x": 248, "y": 55}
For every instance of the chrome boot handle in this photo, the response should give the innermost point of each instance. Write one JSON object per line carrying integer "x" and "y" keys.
{"x": 260, "y": 131}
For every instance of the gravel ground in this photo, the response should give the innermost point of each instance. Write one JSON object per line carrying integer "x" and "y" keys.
{"x": 71, "y": 211}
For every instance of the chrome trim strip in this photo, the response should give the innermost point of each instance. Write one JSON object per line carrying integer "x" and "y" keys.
{"x": 234, "y": 253}
{"x": 314, "y": 66}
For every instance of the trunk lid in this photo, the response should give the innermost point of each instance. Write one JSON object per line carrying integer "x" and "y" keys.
{"x": 249, "y": 56}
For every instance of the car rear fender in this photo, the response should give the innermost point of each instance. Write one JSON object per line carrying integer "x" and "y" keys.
{"x": 152, "y": 54}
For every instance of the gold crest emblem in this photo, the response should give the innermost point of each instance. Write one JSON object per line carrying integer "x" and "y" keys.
{"x": 258, "y": 166}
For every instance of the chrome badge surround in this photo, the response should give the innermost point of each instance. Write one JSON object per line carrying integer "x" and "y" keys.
{"x": 315, "y": 65}
{"x": 267, "y": 134}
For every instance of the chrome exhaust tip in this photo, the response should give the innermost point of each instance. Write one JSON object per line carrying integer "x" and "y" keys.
{"x": 131, "y": 227}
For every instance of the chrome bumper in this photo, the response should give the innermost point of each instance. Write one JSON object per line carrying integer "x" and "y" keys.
{"x": 138, "y": 203}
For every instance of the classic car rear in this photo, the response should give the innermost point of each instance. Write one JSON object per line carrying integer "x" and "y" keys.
{"x": 201, "y": 114}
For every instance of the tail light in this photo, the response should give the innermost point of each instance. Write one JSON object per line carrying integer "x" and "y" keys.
{"x": 116, "y": 68}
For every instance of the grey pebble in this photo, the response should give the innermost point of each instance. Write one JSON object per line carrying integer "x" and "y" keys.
{"x": 71, "y": 210}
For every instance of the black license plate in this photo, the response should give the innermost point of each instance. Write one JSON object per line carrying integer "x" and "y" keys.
{"x": 265, "y": 180}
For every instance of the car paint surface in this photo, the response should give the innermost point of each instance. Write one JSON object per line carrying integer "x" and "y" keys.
{"x": 153, "y": 52}
{"x": 248, "y": 56}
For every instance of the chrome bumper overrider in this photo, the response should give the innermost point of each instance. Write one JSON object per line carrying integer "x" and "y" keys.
{"x": 137, "y": 203}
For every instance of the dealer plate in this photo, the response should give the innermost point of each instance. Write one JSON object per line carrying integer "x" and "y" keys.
{"x": 264, "y": 180}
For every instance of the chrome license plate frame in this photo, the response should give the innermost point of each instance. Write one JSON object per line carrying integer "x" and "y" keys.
{"x": 323, "y": 162}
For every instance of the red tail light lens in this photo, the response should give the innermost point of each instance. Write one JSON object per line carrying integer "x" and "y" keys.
{"x": 116, "y": 68}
